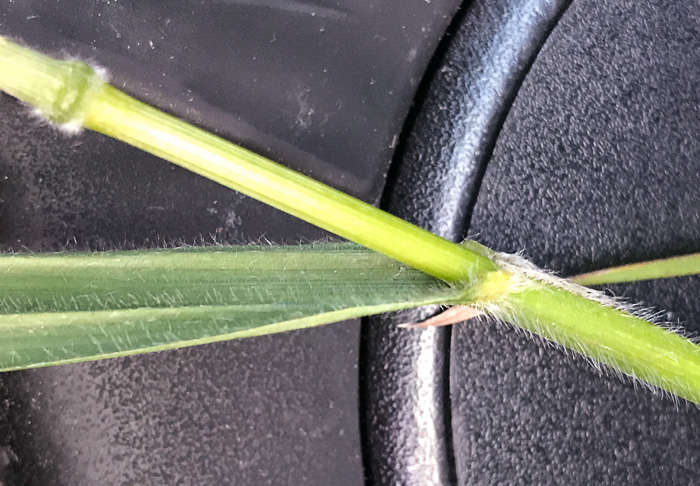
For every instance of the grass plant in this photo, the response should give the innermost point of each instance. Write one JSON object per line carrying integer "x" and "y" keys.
{"x": 62, "y": 308}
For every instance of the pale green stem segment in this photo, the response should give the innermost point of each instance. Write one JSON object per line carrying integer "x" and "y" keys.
{"x": 638, "y": 348}
{"x": 64, "y": 308}
{"x": 72, "y": 94}
{"x": 664, "y": 268}
{"x": 100, "y": 107}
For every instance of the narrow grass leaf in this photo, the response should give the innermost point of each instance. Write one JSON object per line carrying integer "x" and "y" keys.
{"x": 62, "y": 308}
{"x": 664, "y": 268}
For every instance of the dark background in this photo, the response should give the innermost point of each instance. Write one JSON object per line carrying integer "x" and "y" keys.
{"x": 568, "y": 130}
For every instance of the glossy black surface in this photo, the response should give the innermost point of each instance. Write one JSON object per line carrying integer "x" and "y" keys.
{"x": 323, "y": 86}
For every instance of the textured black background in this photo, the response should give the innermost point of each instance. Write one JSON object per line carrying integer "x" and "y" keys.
{"x": 598, "y": 163}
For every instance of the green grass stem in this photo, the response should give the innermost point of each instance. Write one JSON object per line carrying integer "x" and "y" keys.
{"x": 622, "y": 341}
{"x": 71, "y": 94}
{"x": 77, "y": 95}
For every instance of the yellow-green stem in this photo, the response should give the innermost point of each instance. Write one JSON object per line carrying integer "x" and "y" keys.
{"x": 72, "y": 94}
{"x": 114, "y": 113}
{"x": 46, "y": 83}
{"x": 624, "y": 342}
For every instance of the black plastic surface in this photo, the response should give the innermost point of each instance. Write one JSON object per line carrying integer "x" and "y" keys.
{"x": 323, "y": 86}
{"x": 598, "y": 163}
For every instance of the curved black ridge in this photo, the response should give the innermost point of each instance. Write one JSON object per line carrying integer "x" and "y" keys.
{"x": 405, "y": 403}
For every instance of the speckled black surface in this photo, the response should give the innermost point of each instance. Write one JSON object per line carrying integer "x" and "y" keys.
{"x": 276, "y": 411}
{"x": 598, "y": 163}
{"x": 321, "y": 85}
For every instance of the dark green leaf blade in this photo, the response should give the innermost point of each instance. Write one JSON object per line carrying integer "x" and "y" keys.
{"x": 61, "y": 308}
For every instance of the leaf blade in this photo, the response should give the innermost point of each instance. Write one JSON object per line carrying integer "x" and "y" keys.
{"x": 173, "y": 304}
{"x": 662, "y": 268}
